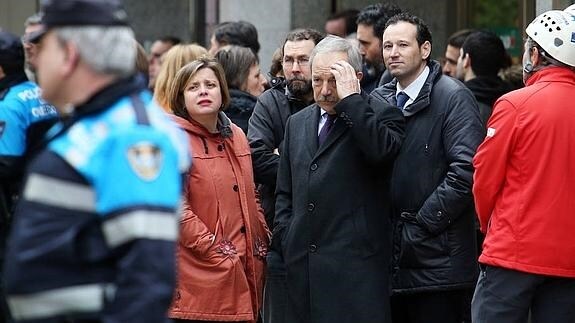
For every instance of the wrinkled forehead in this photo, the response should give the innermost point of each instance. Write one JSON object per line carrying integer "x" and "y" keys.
{"x": 322, "y": 62}
{"x": 298, "y": 47}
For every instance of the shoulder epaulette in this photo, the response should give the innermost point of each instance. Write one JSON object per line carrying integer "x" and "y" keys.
{"x": 3, "y": 93}
{"x": 277, "y": 82}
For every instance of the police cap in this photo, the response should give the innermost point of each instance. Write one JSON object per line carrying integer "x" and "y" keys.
{"x": 60, "y": 13}
{"x": 11, "y": 50}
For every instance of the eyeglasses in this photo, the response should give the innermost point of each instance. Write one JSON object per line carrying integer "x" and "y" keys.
{"x": 301, "y": 61}
{"x": 26, "y": 39}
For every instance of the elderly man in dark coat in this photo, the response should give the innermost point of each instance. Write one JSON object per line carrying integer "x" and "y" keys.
{"x": 332, "y": 218}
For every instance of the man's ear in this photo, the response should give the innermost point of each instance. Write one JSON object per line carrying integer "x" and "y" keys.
{"x": 2, "y": 75}
{"x": 467, "y": 61}
{"x": 359, "y": 75}
{"x": 425, "y": 50}
{"x": 71, "y": 58}
{"x": 535, "y": 56}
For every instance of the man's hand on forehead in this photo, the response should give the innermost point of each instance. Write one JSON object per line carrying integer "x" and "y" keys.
{"x": 346, "y": 79}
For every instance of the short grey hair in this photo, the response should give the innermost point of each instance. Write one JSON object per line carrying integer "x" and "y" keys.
{"x": 331, "y": 44}
{"x": 107, "y": 50}
{"x": 34, "y": 19}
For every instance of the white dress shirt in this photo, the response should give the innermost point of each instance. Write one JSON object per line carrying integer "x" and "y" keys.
{"x": 413, "y": 89}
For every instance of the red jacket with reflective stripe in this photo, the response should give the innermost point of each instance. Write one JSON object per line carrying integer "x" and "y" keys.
{"x": 524, "y": 182}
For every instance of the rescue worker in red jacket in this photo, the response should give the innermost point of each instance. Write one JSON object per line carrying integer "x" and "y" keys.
{"x": 524, "y": 185}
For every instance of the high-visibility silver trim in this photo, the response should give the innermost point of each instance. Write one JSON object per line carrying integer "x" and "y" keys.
{"x": 140, "y": 225}
{"x": 75, "y": 299}
{"x": 63, "y": 194}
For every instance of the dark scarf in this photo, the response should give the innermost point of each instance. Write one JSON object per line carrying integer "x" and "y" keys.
{"x": 487, "y": 89}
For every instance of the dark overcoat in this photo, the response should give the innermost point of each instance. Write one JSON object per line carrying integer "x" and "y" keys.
{"x": 433, "y": 213}
{"x": 332, "y": 217}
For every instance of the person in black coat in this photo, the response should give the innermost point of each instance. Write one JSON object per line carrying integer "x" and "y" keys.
{"x": 245, "y": 82}
{"x": 434, "y": 259}
{"x": 482, "y": 57}
{"x": 332, "y": 219}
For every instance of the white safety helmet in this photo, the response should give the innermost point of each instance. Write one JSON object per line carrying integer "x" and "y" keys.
{"x": 554, "y": 31}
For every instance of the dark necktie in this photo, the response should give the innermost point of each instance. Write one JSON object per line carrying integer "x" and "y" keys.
{"x": 326, "y": 128}
{"x": 401, "y": 99}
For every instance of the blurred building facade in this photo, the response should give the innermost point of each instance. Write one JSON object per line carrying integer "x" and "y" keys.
{"x": 193, "y": 20}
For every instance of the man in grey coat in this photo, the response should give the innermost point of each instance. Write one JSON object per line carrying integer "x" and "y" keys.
{"x": 332, "y": 218}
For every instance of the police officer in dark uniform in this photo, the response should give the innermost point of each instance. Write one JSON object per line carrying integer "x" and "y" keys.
{"x": 24, "y": 118}
{"x": 94, "y": 232}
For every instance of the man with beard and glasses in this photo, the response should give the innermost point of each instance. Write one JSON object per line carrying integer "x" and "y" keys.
{"x": 266, "y": 133}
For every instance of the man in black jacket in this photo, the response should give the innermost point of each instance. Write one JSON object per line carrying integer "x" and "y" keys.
{"x": 265, "y": 133}
{"x": 481, "y": 57}
{"x": 434, "y": 260}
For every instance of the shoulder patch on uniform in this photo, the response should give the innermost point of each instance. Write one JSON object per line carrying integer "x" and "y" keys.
{"x": 490, "y": 132}
{"x": 145, "y": 159}
{"x": 2, "y": 127}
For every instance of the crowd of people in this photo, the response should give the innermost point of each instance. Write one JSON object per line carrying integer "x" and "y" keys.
{"x": 361, "y": 181}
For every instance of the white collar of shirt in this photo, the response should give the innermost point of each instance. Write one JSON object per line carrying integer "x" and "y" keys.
{"x": 413, "y": 89}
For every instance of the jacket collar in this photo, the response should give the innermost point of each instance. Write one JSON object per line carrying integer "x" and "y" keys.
{"x": 99, "y": 102}
{"x": 106, "y": 97}
{"x": 487, "y": 89}
{"x": 552, "y": 74}
{"x": 9, "y": 81}
{"x": 224, "y": 126}
{"x": 242, "y": 94}
{"x": 423, "y": 99}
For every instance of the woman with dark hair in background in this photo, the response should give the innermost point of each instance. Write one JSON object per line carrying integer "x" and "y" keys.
{"x": 245, "y": 82}
{"x": 223, "y": 235}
